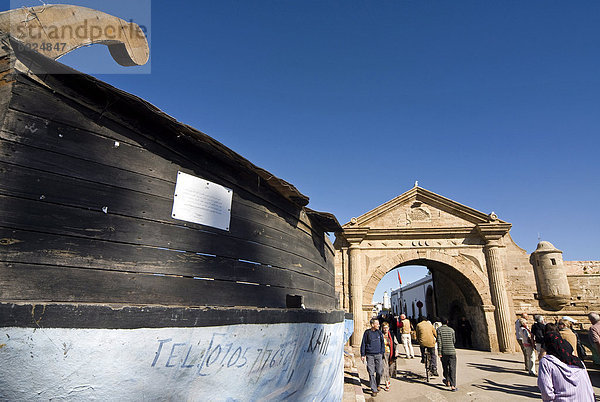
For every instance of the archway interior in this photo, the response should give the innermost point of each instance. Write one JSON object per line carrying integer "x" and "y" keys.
{"x": 448, "y": 293}
{"x": 390, "y": 281}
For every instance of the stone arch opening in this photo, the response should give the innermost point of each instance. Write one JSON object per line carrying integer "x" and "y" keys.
{"x": 458, "y": 290}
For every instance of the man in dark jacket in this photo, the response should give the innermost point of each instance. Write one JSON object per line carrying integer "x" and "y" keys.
{"x": 537, "y": 331}
{"x": 372, "y": 349}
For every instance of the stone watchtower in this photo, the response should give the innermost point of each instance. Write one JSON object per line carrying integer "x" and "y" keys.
{"x": 551, "y": 275}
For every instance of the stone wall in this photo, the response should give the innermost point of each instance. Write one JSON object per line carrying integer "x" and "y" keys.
{"x": 520, "y": 278}
{"x": 582, "y": 267}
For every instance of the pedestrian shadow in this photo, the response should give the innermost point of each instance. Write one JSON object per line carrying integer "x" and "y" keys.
{"x": 366, "y": 386}
{"x": 497, "y": 369}
{"x": 351, "y": 378}
{"x": 528, "y": 391}
{"x": 365, "y": 383}
{"x": 506, "y": 361}
{"x": 409, "y": 376}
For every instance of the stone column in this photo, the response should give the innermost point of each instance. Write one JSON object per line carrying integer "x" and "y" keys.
{"x": 493, "y": 232}
{"x": 499, "y": 295}
{"x": 356, "y": 293}
{"x": 354, "y": 236}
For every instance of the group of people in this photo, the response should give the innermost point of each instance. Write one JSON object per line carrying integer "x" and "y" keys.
{"x": 562, "y": 374}
{"x": 380, "y": 349}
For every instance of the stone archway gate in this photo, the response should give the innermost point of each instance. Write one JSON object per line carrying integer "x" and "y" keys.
{"x": 420, "y": 226}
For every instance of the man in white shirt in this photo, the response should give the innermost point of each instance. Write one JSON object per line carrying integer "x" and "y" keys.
{"x": 406, "y": 337}
{"x": 519, "y": 336}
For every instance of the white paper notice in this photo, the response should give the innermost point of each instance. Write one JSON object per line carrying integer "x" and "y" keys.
{"x": 201, "y": 201}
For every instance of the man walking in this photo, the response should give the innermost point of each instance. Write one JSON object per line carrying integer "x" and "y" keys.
{"x": 594, "y": 335}
{"x": 372, "y": 349}
{"x": 446, "y": 340}
{"x": 529, "y": 348}
{"x": 426, "y": 337}
{"x": 537, "y": 330}
{"x": 519, "y": 335}
{"x": 405, "y": 331}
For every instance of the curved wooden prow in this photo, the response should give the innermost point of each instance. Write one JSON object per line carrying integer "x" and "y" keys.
{"x": 55, "y": 30}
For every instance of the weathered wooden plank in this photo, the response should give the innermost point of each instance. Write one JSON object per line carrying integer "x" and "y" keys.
{"x": 64, "y": 115}
{"x": 31, "y": 98}
{"x": 20, "y": 121}
{"x": 81, "y": 144}
{"x": 41, "y": 138}
{"x": 168, "y": 138}
{"x": 34, "y": 158}
{"x": 24, "y": 282}
{"x": 245, "y": 222}
{"x": 48, "y": 249}
{"x": 51, "y": 218}
{"x": 36, "y": 132}
{"x": 6, "y": 84}
{"x": 128, "y": 317}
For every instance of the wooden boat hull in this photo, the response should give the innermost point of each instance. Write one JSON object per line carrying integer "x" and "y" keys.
{"x": 108, "y": 293}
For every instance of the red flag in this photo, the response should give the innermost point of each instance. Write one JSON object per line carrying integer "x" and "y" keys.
{"x": 399, "y": 280}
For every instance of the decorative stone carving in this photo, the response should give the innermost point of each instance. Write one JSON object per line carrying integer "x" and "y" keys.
{"x": 418, "y": 213}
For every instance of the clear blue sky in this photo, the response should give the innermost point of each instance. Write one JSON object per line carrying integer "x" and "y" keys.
{"x": 495, "y": 105}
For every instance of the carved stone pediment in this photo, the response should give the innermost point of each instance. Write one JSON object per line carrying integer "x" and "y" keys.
{"x": 420, "y": 208}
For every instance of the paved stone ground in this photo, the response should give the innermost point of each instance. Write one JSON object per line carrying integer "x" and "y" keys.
{"x": 481, "y": 376}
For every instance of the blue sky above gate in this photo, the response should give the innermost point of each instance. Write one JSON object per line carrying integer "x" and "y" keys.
{"x": 495, "y": 105}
